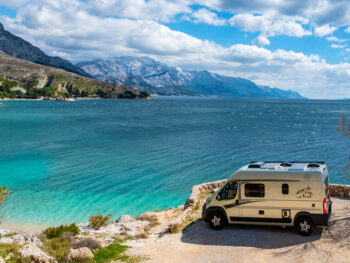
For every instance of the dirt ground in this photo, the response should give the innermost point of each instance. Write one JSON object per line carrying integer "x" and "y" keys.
{"x": 238, "y": 243}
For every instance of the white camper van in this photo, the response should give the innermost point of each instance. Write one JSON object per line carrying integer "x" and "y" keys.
{"x": 273, "y": 193}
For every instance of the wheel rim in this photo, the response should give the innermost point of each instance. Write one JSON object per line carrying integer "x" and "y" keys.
{"x": 304, "y": 226}
{"x": 216, "y": 221}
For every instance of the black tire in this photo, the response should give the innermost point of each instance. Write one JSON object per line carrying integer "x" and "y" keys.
{"x": 304, "y": 226}
{"x": 216, "y": 220}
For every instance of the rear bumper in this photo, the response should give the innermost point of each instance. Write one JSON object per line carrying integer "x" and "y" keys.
{"x": 322, "y": 219}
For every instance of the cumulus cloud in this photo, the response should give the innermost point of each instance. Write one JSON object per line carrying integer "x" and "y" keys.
{"x": 324, "y": 30}
{"x": 205, "y": 16}
{"x": 69, "y": 28}
{"x": 261, "y": 41}
{"x": 159, "y": 10}
{"x": 269, "y": 25}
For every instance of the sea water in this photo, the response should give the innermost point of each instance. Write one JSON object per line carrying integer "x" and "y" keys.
{"x": 65, "y": 161}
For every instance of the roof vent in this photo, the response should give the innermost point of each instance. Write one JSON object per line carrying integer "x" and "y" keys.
{"x": 285, "y": 164}
{"x": 254, "y": 165}
{"x": 313, "y": 165}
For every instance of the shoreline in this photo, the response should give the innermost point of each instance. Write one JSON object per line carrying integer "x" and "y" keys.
{"x": 337, "y": 190}
{"x": 28, "y": 228}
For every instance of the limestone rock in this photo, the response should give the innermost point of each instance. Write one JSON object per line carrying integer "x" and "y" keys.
{"x": 36, "y": 254}
{"x": 80, "y": 254}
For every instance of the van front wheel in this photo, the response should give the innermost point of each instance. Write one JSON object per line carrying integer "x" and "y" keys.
{"x": 304, "y": 226}
{"x": 216, "y": 220}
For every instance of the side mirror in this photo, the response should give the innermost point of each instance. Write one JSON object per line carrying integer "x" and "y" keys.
{"x": 218, "y": 197}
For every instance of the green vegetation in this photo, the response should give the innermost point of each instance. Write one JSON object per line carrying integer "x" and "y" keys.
{"x": 98, "y": 221}
{"x": 111, "y": 252}
{"x": 13, "y": 250}
{"x": 3, "y": 193}
{"x": 129, "y": 94}
{"x": 55, "y": 232}
{"x": 57, "y": 248}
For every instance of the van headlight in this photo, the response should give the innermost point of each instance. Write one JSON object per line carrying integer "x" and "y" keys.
{"x": 209, "y": 199}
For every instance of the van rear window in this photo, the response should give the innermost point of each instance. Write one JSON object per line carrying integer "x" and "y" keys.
{"x": 254, "y": 190}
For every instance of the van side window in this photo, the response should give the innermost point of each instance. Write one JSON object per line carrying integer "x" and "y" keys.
{"x": 254, "y": 190}
{"x": 285, "y": 189}
{"x": 229, "y": 191}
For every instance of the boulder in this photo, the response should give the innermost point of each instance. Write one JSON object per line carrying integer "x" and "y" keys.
{"x": 80, "y": 254}
{"x": 36, "y": 254}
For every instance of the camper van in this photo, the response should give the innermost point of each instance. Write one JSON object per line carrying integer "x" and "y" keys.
{"x": 273, "y": 193}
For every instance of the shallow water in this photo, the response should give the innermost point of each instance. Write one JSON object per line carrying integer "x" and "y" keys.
{"x": 67, "y": 160}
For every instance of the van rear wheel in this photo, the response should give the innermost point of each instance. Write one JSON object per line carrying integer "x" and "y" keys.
{"x": 216, "y": 220}
{"x": 304, "y": 226}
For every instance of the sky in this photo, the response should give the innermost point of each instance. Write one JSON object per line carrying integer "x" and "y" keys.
{"x": 302, "y": 45}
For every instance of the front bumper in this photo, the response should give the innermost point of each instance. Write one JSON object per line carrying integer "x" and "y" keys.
{"x": 204, "y": 213}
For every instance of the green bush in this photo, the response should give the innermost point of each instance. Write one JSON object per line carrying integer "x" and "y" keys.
{"x": 57, "y": 248}
{"x": 144, "y": 95}
{"x": 55, "y": 232}
{"x": 3, "y": 193}
{"x": 111, "y": 252}
{"x": 84, "y": 93}
{"x": 98, "y": 221}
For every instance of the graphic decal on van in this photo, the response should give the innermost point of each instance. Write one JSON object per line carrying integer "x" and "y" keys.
{"x": 304, "y": 193}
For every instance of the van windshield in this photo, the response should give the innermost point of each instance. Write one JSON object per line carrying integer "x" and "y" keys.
{"x": 229, "y": 191}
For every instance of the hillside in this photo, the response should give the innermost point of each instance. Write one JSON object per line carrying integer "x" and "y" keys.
{"x": 162, "y": 79}
{"x": 24, "y": 79}
{"x": 17, "y": 47}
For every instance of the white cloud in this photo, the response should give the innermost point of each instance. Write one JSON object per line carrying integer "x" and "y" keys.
{"x": 159, "y": 10}
{"x": 335, "y": 39}
{"x": 269, "y": 25}
{"x": 205, "y": 16}
{"x": 261, "y": 41}
{"x": 324, "y": 30}
{"x": 338, "y": 46}
{"x": 86, "y": 35}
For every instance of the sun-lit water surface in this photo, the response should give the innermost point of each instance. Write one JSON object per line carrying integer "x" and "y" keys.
{"x": 67, "y": 160}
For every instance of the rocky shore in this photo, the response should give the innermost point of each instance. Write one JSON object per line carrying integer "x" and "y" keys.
{"x": 148, "y": 228}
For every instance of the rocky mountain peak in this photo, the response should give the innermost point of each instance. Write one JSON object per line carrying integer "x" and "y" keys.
{"x": 2, "y": 27}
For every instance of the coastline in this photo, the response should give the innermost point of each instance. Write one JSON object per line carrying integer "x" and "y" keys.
{"x": 337, "y": 190}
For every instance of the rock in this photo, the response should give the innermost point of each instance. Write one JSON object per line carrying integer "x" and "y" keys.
{"x": 125, "y": 219}
{"x": 4, "y": 232}
{"x": 80, "y": 254}
{"x": 125, "y": 225}
{"x": 26, "y": 239}
{"x": 6, "y": 240}
{"x": 36, "y": 254}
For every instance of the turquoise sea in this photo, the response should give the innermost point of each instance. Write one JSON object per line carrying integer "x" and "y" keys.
{"x": 65, "y": 161}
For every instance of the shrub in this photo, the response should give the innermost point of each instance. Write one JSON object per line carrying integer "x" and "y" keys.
{"x": 86, "y": 242}
{"x": 144, "y": 95}
{"x": 3, "y": 193}
{"x": 113, "y": 251}
{"x": 13, "y": 250}
{"x": 98, "y": 221}
{"x": 57, "y": 248}
{"x": 54, "y": 232}
{"x": 84, "y": 93}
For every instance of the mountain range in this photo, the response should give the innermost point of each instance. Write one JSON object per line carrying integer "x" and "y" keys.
{"x": 145, "y": 73}
{"x": 17, "y": 47}
{"x": 158, "y": 78}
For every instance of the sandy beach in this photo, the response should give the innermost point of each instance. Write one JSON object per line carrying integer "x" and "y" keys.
{"x": 23, "y": 227}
